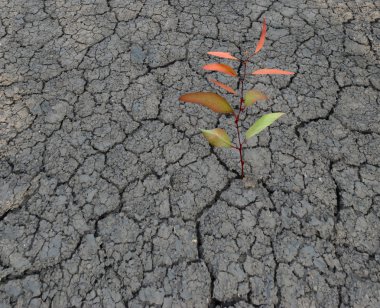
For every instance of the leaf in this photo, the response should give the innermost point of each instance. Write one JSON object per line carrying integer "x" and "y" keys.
{"x": 223, "y": 86}
{"x": 260, "y": 44}
{"x": 223, "y": 68}
{"x": 271, "y": 71}
{"x": 252, "y": 96}
{"x": 221, "y": 54}
{"x": 217, "y": 137}
{"x": 211, "y": 100}
{"x": 262, "y": 123}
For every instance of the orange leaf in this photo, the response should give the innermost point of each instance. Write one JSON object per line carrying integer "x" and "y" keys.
{"x": 262, "y": 37}
{"x": 271, "y": 71}
{"x": 223, "y": 86}
{"x": 223, "y": 68}
{"x": 211, "y": 100}
{"x": 222, "y": 54}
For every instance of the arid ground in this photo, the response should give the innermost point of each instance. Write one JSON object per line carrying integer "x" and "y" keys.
{"x": 111, "y": 197}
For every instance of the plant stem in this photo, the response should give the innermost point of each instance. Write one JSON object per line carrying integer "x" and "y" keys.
{"x": 237, "y": 117}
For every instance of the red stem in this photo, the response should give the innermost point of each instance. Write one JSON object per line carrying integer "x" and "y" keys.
{"x": 237, "y": 117}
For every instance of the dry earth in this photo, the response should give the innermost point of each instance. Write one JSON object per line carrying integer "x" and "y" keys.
{"x": 109, "y": 195}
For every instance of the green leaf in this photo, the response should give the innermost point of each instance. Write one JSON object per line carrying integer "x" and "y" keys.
{"x": 211, "y": 100}
{"x": 252, "y": 96}
{"x": 217, "y": 137}
{"x": 262, "y": 123}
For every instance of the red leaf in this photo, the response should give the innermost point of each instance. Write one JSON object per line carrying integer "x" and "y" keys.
{"x": 223, "y": 86}
{"x": 272, "y": 71}
{"x": 211, "y": 100}
{"x": 222, "y": 54}
{"x": 262, "y": 37}
{"x": 223, "y": 68}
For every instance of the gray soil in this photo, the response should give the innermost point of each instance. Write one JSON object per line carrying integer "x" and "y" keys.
{"x": 109, "y": 195}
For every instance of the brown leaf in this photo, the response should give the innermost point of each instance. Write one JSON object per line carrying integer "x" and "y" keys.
{"x": 211, "y": 100}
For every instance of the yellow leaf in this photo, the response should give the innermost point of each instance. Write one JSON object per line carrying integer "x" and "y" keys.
{"x": 252, "y": 96}
{"x": 262, "y": 123}
{"x": 217, "y": 137}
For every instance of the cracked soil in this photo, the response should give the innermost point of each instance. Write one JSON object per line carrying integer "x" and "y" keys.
{"x": 110, "y": 196}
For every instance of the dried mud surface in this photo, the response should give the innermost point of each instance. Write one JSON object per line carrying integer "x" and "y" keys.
{"x": 109, "y": 196}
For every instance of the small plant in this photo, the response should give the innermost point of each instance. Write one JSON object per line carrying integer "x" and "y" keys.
{"x": 218, "y": 137}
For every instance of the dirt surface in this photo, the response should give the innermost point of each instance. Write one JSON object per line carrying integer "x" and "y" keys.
{"x": 109, "y": 195}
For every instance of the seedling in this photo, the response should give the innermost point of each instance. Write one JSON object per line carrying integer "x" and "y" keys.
{"x": 218, "y": 137}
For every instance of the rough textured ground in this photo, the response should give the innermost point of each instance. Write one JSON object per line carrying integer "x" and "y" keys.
{"x": 111, "y": 198}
